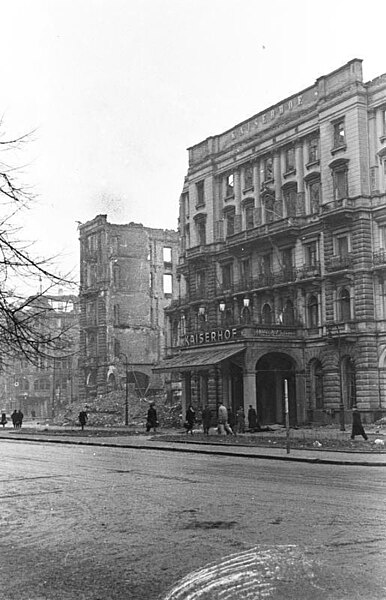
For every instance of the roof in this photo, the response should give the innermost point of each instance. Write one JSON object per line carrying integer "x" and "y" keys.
{"x": 193, "y": 359}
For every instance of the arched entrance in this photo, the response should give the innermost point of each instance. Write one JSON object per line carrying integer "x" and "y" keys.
{"x": 271, "y": 371}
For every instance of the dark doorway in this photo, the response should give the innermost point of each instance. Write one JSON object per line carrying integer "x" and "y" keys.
{"x": 271, "y": 371}
{"x": 237, "y": 388}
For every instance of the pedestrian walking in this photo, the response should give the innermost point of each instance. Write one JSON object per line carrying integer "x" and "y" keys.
{"x": 151, "y": 422}
{"x": 222, "y": 420}
{"x": 3, "y": 419}
{"x": 82, "y": 418}
{"x": 19, "y": 420}
{"x": 240, "y": 420}
{"x": 357, "y": 427}
{"x": 252, "y": 419}
{"x": 14, "y": 418}
{"x": 231, "y": 420}
{"x": 190, "y": 419}
{"x": 206, "y": 419}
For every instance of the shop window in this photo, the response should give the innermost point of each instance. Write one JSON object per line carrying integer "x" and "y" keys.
{"x": 313, "y": 312}
{"x": 344, "y": 305}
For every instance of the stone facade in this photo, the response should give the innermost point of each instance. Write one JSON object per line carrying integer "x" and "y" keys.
{"x": 283, "y": 237}
{"x": 127, "y": 277}
{"x": 48, "y": 382}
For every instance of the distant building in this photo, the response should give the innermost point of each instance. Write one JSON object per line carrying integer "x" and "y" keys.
{"x": 283, "y": 258}
{"x": 49, "y": 381}
{"x": 127, "y": 277}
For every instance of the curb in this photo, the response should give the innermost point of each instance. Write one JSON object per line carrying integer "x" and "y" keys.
{"x": 202, "y": 450}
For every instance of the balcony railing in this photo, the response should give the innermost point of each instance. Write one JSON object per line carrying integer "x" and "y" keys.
{"x": 309, "y": 271}
{"x": 379, "y": 258}
{"x": 338, "y": 263}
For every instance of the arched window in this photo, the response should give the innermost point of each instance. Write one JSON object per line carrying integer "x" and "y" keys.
{"x": 312, "y": 311}
{"x": 288, "y": 314}
{"x": 290, "y": 198}
{"x": 316, "y": 373}
{"x": 267, "y": 314}
{"x": 111, "y": 383}
{"x": 344, "y": 308}
{"x": 245, "y": 315}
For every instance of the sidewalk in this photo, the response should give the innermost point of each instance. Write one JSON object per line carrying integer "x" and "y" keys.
{"x": 119, "y": 438}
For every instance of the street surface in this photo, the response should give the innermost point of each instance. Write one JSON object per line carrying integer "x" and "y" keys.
{"x": 97, "y": 523}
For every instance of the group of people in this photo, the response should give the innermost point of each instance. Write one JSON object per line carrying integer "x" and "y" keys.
{"x": 17, "y": 419}
{"x": 227, "y": 423}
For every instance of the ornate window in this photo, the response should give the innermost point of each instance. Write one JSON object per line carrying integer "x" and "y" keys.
{"x": 313, "y": 149}
{"x": 339, "y": 134}
{"x": 344, "y": 305}
{"x": 267, "y": 314}
{"x": 312, "y": 307}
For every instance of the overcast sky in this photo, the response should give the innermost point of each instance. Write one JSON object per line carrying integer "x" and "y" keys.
{"x": 118, "y": 89}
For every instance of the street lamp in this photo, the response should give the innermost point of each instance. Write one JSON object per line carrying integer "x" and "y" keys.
{"x": 330, "y": 328}
{"x": 126, "y": 388}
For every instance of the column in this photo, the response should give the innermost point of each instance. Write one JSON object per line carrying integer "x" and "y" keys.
{"x": 277, "y": 184}
{"x": 249, "y": 386}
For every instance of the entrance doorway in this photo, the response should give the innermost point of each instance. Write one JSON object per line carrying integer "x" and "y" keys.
{"x": 271, "y": 371}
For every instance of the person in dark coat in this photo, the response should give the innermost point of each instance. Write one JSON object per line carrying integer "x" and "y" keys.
{"x": 206, "y": 419}
{"x": 19, "y": 420}
{"x": 14, "y": 418}
{"x": 240, "y": 420}
{"x": 82, "y": 418}
{"x": 252, "y": 418}
{"x": 190, "y": 419}
{"x": 357, "y": 427}
{"x": 151, "y": 422}
{"x": 3, "y": 421}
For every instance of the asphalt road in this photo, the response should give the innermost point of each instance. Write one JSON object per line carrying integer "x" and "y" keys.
{"x": 96, "y": 523}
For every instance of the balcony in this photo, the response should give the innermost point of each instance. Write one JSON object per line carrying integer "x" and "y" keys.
{"x": 309, "y": 271}
{"x": 379, "y": 258}
{"x": 339, "y": 263}
{"x": 263, "y": 280}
